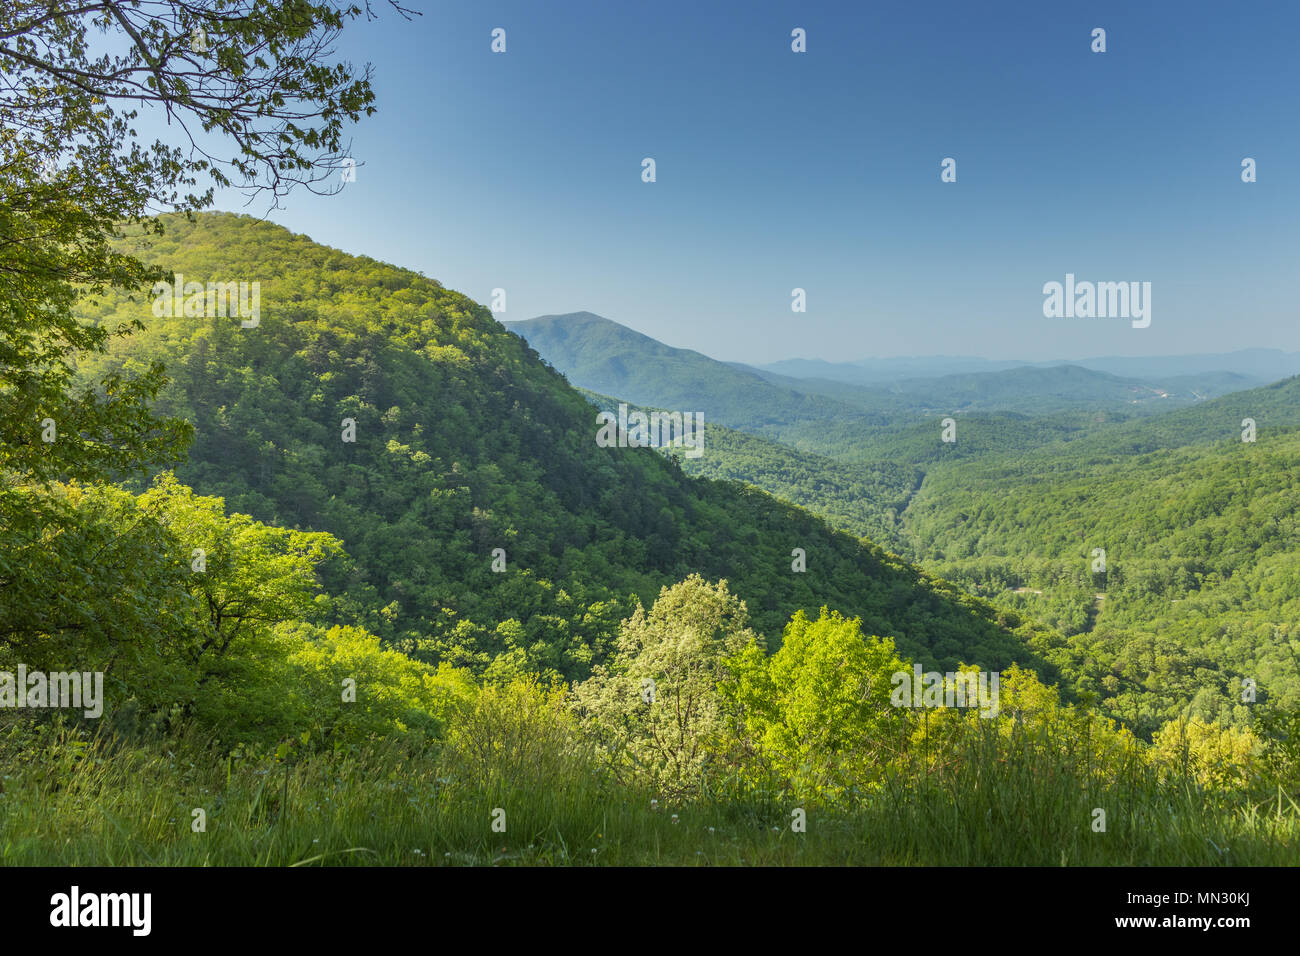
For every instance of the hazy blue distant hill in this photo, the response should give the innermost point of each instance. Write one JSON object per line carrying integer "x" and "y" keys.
{"x": 601, "y": 355}
{"x": 1271, "y": 407}
{"x": 819, "y": 413}
{"x": 1031, "y": 388}
{"x": 1260, "y": 365}
{"x": 1036, "y": 390}
{"x": 1255, "y": 366}
{"x": 876, "y": 371}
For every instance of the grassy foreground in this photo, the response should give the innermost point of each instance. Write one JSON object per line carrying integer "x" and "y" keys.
{"x": 68, "y": 800}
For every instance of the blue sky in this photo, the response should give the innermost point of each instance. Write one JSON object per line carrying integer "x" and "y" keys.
{"x": 821, "y": 170}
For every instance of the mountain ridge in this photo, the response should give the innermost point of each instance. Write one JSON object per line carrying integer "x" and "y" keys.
{"x": 464, "y": 443}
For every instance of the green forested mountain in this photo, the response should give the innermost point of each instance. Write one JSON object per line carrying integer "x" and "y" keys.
{"x": 1271, "y": 407}
{"x": 878, "y": 371}
{"x": 1027, "y": 389}
{"x": 816, "y": 416}
{"x": 1251, "y": 365}
{"x": 861, "y": 498}
{"x": 1196, "y": 526}
{"x": 465, "y": 442}
{"x": 1065, "y": 388}
{"x": 1198, "y": 529}
{"x": 611, "y": 359}
{"x": 307, "y": 560}
{"x": 889, "y": 424}
{"x": 1200, "y": 533}
{"x": 370, "y": 403}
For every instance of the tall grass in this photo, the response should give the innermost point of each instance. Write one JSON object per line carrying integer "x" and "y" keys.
{"x": 67, "y": 800}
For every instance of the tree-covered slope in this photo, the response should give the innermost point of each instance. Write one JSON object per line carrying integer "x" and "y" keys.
{"x": 1201, "y": 587}
{"x": 1198, "y": 528}
{"x": 883, "y": 424}
{"x": 598, "y": 354}
{"x": 862, "y": 499}
{"x": 1064, "y": 388}
{"x": 1027, "y": 390}
{"x": 1232, "y": 369}
{"x": 466, "y": 442}
{"x": 855, "y": 420}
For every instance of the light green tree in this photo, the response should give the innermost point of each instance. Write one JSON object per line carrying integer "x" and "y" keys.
{"x": 816, "y": 715}
{"x": 656, "y": 709}
{"x": 176, "y": 602}
{"x": 1219, "y": 757}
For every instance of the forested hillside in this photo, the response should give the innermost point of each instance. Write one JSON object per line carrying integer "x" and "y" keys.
{"x": 1026, "y": 390}
{"x": 227, "y": 627}
{"x": 1200, "y": 542}
{"x": 466, "y": 443}
{"x": 611, "y": 359}
{"x": 306, "y": 559}
{"x": 1200, "y": 589}
{"x": 1253, "y": 366}
{"x": 862, "y": 499}
{"x": 608, "y": 358}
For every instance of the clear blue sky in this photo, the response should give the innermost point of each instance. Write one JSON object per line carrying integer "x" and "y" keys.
{"x": 821, "y": 170}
